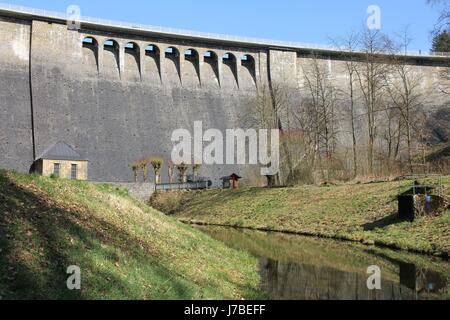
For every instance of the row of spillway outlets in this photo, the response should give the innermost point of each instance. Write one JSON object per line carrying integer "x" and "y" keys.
{"x": 160, "y": 64}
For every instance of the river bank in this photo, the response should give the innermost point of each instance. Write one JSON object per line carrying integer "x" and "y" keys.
{"x": 365, "y": 213}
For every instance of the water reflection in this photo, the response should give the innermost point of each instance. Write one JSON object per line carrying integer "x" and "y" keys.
{"x": 312, "y": 282}
{"x": 295, "y": 267}
{"x": 421, "y": 280}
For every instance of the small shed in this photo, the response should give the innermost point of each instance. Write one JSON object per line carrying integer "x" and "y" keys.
{"x": 231, "y": 182}
{"x": 422, "y": 200}
{"x": 63, "y": 161}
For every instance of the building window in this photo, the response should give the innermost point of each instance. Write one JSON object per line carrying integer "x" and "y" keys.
{"x": 56, "y": 169}
{"x": 73, "y": 172}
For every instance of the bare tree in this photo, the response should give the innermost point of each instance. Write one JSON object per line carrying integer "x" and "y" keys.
{"x": 391, "y": 135}
{"x": 443, "y": 23}
{"x": 348, "y": 47}
{"x": 423, "y": 133}
{"x": 319, "y": 116}
{"x": 371, "y": 73}
{"x": 443, "y": 82}
{"x": 268, "y": 105}
{"x": 274, "y": 108}
{"x": 404, "y": 91}
{"x": 264, "y": 113}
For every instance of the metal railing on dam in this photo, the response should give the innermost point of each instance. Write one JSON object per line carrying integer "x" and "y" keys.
{"x": 200, "y": 185}
{"x": 190, "y": 34}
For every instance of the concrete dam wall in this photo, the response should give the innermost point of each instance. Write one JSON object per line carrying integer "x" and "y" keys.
{"x": 116, "y": 95}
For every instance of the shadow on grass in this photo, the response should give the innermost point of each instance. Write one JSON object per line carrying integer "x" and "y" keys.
{"x": 383, "y": 222}
{"x": 39, "y": 239}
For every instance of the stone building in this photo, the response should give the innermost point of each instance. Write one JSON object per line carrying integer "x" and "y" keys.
{"x": 62, "y": 161}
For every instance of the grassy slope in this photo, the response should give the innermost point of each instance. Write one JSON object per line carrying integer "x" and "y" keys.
{"x": 125, "y": 249}
{"x": 354, "y": 212}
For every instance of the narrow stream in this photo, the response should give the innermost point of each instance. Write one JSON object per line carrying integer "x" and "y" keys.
{"x": 305, "y": 268}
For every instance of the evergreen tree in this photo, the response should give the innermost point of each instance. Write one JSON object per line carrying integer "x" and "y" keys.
{"x": 441, "y": 42}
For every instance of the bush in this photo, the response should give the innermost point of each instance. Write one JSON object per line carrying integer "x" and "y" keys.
{"x": 168, "y": 202}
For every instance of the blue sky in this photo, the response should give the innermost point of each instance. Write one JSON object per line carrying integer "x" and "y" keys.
{"x": 309, "y": 21}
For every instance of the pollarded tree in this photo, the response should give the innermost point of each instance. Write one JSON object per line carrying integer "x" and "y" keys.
{"x": 144, "y": 166}
{"x": 195, "y": 170}
{"x": 157, "y": 164}
{"x": 171, "y": 170}
{"x": 182, "y": 169}
{"x": 135, "y": 166}
{"x": 140, "y": 165}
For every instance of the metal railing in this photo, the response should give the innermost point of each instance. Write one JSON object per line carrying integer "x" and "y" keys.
{"x": 189, "y": 33}
{"x": 201, "y": 185}
{"x": 427, "y": 184}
